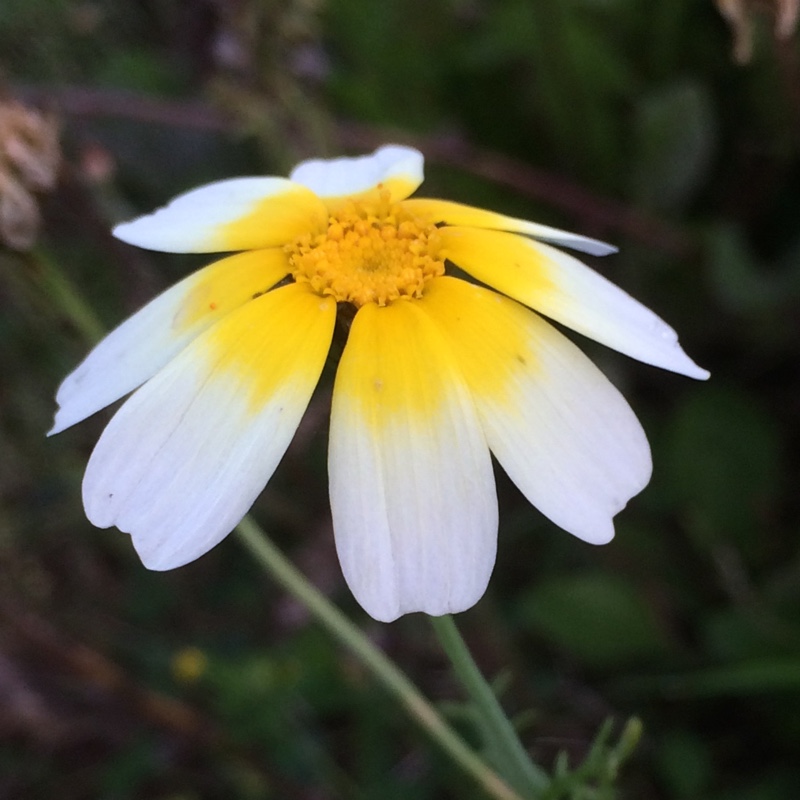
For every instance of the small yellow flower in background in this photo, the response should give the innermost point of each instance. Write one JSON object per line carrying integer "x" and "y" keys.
{"x": 189, "y": 664}
{"x": 436, "y": 373}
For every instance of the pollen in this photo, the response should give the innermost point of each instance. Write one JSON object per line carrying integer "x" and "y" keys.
{"x": 369, "y": 253}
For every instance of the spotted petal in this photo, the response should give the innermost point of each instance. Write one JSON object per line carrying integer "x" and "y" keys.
{"x": 412, "y": 489}
{"x": 392, "y": 168}
{"x": 183, "y": 460}
{"x": 153, "y": 336}
{"x": 558, "y": 427}
{"x": 229, "y": 215}
{"x": 564, "y": 289}
{"x": 444, "y": 212}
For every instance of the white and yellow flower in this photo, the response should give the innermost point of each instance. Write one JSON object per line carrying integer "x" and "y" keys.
{"x": 437, "y": 372}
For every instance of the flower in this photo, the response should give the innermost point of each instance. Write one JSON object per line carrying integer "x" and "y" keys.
{"x": 437, "y": 371}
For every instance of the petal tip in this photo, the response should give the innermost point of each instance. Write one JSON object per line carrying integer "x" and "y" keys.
{"x": 156, "y": 561}
{"x": 599, "y": 535}
{"x": 120, "y": 231}
{"x": 65, "y": 418}
{"x": 339, "y": 177}
{"x": 389, "y": 613}
{"x": 601, "y": 248}
{"x": 140, "y": 230}
{"x": 682, "y": 364}
{"x": 146, "y": 232}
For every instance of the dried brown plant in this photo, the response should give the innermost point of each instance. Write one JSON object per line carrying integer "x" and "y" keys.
{"x": 29, "y": 160}
{"x": 740, "y": 16}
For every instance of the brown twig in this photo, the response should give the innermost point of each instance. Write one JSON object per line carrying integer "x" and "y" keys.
{"x": 83, "y": 101}
{"x": 93, "y": 668}
{"x": 98, "y": 673}
{"x": 602, "y": 215}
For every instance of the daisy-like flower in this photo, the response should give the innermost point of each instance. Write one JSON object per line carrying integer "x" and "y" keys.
{"x": 437, "y": 372}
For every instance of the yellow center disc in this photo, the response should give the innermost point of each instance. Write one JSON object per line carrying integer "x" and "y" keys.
{"x": 368, "y": 254}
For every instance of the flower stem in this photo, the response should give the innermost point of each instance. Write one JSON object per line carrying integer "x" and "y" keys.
{"x": 65, "y": 296}
{"x": 509, "y": 756}
{"x": 382, "y": 668}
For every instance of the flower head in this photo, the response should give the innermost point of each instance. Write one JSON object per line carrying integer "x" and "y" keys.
{"x": 437, "y": 372}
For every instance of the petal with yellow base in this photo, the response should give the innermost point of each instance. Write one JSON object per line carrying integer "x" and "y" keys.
{"x": 393, "y": 170}
{"x": 145, "y": 342}
{"x": 185, "y": 457}
{"x": 226, "y": 216}
{"x": 566, "y": 290}
{"x": 445, "y": 212}
{"x": 411, "y": 482}
{"x": 559, "y": 428}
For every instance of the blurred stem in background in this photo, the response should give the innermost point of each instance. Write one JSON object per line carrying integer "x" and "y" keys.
{"x": 70, "y": 302}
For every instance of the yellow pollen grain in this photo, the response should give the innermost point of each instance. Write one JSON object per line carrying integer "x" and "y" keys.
{"x": 369, "y": 253}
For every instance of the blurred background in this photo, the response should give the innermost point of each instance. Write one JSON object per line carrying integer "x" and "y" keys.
{"x": 670, "y": 129}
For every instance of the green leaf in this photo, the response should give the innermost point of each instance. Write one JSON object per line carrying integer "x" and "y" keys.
{"x": 684, "y": 761}
{"x": 675, "y": 130}
{"x": 780, "y": 674}
{"x": 724, "y": 465}
{"x": 741, "y": 282}
{"x": 599, "y": 618}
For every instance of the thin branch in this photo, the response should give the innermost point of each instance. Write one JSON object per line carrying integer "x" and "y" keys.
{"x": 599, "y": 214}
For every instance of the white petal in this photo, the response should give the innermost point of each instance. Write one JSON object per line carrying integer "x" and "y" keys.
{"x": 444, "y": 212}
{"x": 590, "y": 304}
{"x": 412, "y": 488}
{"x": 149, "y": 339}
{"x": 566, "y": 290}
{"x": 396, "y": 168}
{"x": 229, "y": 215}
{"x": 183, "y": 460}
{"x": 562, "y": 432}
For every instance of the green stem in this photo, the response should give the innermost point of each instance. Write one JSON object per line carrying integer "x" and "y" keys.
{"x": 510, "y": 757}
{"x": 383, "y": 669}
{"x": 65, "y": 296}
